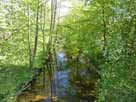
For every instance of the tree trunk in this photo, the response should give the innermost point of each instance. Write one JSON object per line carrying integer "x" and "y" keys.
{"x": 28, "y": 37}
{"x": 36, "y": 34}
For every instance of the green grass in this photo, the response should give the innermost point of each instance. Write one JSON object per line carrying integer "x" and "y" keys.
{"x": 11, "y": 77}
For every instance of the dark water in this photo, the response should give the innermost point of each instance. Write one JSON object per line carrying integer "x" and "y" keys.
{"x": 63, "y": 91}
{"x": 38, "y": 93}
{"x": 77, "y": 84}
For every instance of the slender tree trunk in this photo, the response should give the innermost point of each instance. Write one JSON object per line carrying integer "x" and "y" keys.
{"x": 28, "y": 37}
{"x": 36, "y": 34}
{"x": 43, "y": 28}
{"x": 51, "y": 41}
{"x": 104, "y": 27}
{"x": 43, "y": 16}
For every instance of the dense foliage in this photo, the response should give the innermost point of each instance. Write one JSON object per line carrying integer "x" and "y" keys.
{"x": 18, "y": 28}
{"x": 104, "y": 31}
{"x": 97, "y": 34}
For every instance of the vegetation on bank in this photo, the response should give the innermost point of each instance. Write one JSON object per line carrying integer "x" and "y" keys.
{"x": 96, "y": 35}
{"x": 103, "y": 33}
{"x": 12, "y": 78}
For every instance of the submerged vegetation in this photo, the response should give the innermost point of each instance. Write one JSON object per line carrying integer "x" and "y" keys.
{"x": 67, "y": 50}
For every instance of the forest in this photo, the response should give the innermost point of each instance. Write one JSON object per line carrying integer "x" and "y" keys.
{"x": 67, "y": 50}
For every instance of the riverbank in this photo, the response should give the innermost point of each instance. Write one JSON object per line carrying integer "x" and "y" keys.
{"x": 11, "y": 78}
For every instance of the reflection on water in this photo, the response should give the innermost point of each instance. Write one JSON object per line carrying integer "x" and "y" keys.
{"x": 77, "y": 84}
{"x": 64, "y": 88}
{"x": 38, "y": 93}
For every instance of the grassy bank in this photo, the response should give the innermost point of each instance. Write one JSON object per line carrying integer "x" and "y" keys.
{"x": 11, "y": 78}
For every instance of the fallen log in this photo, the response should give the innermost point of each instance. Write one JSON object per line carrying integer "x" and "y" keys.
{"x": 28, "y": 85}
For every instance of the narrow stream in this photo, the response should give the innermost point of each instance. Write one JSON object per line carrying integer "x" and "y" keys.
{"x": 67, "y": 87}
{"x": 38, "y": 93}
